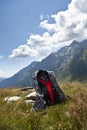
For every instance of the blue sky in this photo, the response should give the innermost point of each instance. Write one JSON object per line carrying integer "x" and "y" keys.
{"x": 32, "y": 29}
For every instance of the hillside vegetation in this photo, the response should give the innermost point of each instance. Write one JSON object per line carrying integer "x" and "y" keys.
{"x": 70, "y": 115}
{"x": 69, "y": 63}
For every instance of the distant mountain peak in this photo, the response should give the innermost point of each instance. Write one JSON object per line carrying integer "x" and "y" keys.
{"x": 70, "y": 62}
{"x": 74, "y": 43}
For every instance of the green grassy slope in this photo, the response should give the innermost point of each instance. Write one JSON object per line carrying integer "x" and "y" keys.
{"x": 70, "y": 115}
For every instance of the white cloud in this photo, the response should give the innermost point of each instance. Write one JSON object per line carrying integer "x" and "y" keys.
{"x": 68, "y": 25}
{"x": 42, "y": 17}
{"x": 1, "y": 57}
{"x": 78, "y": 6}
{"x": 23, "y": 51}
{"x": 37, "y": 46}
{"x": 48, "y": 26}
{"x": 72, "y": 23}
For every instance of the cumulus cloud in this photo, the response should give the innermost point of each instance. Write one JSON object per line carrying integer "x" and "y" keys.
{"x": 42, "y": 17}
{"x": 48, "y": 26}
{"x": 67, "y": 26}
{"x": 23, "y": 51}
{"x": 36, "y": 46}
{"x": 78, "y": 6}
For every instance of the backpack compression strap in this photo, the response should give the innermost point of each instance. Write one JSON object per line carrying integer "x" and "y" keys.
{"x": 48, "y": 85}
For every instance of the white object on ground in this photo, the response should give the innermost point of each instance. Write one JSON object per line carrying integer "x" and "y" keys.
{"x": 33, "y": 94}
{"x": 29, "y": 101}
{"x": 13, "y": 98}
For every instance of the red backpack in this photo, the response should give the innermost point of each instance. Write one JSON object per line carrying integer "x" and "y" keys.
{"x": 48, "y": 86}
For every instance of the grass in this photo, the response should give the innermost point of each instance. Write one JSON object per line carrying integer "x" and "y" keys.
{"x": 70, "y": 115}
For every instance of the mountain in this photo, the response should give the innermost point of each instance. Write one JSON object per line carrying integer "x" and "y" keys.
{"x": 68, "y": 63}
{"x": 75, "y": 67}
{"x": 1, "y": 78}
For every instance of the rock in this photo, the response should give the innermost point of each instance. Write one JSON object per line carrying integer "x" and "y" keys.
{"x": 30, "y": 95}
{"x": 13, "y": 98}
{"x": 29, "y": 101}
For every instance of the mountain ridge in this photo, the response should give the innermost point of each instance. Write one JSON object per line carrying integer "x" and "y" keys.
{"x": 70, "y": 61}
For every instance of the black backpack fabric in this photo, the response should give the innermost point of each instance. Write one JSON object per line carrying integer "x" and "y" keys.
{"x": 48, "y": 87}
{"x": 40, "y": 104}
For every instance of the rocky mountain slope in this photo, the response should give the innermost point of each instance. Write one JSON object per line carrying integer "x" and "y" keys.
{"x": 68, "y": 63}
